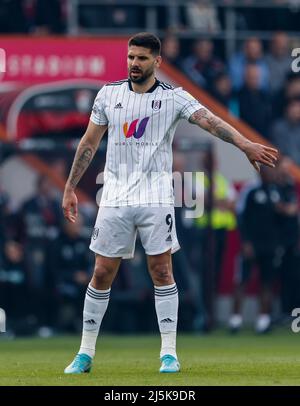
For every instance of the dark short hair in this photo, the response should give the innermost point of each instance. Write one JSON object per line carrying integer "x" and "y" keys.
{"x": 146, "y": 40}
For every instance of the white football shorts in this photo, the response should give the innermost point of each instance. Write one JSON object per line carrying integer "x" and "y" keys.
{"x": 116, "y": 229}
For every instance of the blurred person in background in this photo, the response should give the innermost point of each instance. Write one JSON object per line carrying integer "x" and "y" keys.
{"x": 202, "y": 66}
{"x": 252, "y": 53}
{"x": 278, "y": 60}
{"x": 41, "y": 217}
{"x": 71, "y": 265}
{"x": 213, "y": 227}
{"x": 288, "y": 209}
{"x": 202, "y": 16}
{"x": 14, "y": 287}
{"x": 254, "y": 102}
{"x": 14, "y": 293}
{"x": 222, "y": 91}
{"x": 186, "y": 260}
{"x": 41, "y": 213}
{"x": 260, "y": 239}
{"x": 170, "y": 50}
{"x": 285, "y": 132}
{"x": 290, "y": 91}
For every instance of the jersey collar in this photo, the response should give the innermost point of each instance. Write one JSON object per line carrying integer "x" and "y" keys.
{"x": 152, "y": 88}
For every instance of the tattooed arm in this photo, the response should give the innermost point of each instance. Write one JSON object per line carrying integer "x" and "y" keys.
{"x": 85, "y": 152}
{"x": 256, "y": 153}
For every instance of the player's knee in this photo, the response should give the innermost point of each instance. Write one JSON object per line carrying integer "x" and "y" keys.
{"x": 162, "y": 273}
{"x": 102, "y": 274}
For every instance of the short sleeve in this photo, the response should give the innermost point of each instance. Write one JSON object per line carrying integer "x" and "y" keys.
{"x": 186, "y": 103}
{"x": 98, "y": 115}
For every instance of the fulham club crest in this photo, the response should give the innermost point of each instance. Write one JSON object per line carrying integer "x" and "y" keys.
{"x": 95, "y": 233}
{"x": 156, "y": 104}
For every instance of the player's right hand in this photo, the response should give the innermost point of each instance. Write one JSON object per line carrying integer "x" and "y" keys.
{"x": 261, "y": 154}
{"x": 70, "y": 205}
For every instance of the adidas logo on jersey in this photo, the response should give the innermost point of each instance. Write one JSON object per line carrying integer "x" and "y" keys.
{"x": 118, "y": 106}
{"x": 91, "y": 321}
{"x": 169, "y": 238}
{"x": 167, "y": 320}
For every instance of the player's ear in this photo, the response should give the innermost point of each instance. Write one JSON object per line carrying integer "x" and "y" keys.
{"x": 158, "y": 61}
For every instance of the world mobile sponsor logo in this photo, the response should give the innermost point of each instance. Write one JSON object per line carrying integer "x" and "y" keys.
{"x": 133, "y": 130}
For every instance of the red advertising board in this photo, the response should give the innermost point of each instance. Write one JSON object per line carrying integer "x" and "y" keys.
{"x": 47, "y": 85}
{"x": 46, "y": 59}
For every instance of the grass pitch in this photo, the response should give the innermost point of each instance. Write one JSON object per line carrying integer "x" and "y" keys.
{"x": 213, "y": 359}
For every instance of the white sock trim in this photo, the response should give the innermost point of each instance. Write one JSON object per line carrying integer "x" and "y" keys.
{"x": 99, "y": 291}
{"x": 165, "y": 286}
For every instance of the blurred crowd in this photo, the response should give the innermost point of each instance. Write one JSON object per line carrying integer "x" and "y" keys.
{"x": 256, "y": 84}
{"x": 45, "y": 263}
{"x": 45, "y": 266}
{"x": 259, "y": 84}
{"x": 208, "y": 17}
{"x": 264, "y": 216}
{"x": 268, "y": 222}
{"x": 37, "y": 17}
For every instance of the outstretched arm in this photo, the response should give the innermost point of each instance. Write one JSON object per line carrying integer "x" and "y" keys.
{"x": 256, "y": 153}
{"x": 86, "y": 150}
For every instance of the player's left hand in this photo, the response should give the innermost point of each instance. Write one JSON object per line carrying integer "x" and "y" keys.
{"x": 258, "y": 153}
{"x": 69, "y": 205}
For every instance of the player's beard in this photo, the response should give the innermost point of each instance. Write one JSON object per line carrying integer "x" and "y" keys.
{"x": 144, "y": 76}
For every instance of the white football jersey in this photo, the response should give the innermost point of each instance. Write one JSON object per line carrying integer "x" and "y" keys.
{"x": 141, "y": 127}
